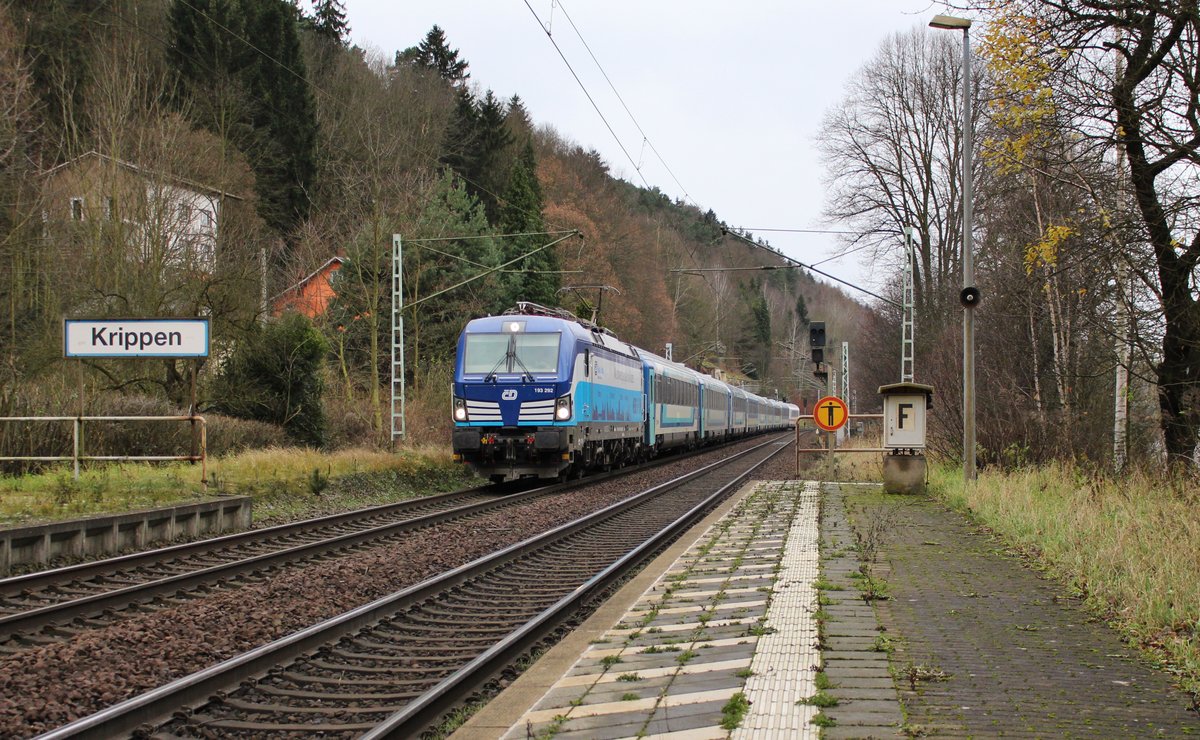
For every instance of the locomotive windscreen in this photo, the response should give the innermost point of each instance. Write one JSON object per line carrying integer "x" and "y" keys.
{"x": 506, "y": 353}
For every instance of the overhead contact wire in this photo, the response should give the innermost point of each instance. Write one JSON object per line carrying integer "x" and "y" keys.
{"x": 585, "y": 92}
{"x": 645, "y": 139}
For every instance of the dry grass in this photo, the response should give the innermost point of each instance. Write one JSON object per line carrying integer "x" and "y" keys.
{"x": 855, "y": 467}
{"x": 1130, "y": 546}
{"x": 271, "y": 475}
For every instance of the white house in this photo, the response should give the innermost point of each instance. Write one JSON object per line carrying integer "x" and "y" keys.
{"x": 161, "y": 218}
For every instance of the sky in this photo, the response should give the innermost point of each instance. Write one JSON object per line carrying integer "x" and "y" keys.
{"x": 726, "y": 98}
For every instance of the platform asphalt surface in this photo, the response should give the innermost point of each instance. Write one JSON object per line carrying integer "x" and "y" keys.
{"x": 928, "y": 628}
{"x": 984, "y": 646}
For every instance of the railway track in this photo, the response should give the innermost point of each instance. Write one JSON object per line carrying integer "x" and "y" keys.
{"x": 54, "y": 605}
{"x": 51, "y": 605}
{"x": 393, "y": 667}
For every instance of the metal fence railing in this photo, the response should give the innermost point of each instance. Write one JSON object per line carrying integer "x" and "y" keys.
{"x": 77, "y": 432}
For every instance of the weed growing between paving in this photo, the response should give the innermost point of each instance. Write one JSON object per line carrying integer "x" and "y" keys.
{"x": 734, "y": 711}
{"x": 871, "y": 587}
{"x": 1127, "y": 545}
{"x": 820, "y": 720}
{"x": 819, "y": 699}
{"x": 915, "y": 673}
{"x": 823, "y": 585}
{"x": 822, "y": 682}
{"x": 883, "y": 644}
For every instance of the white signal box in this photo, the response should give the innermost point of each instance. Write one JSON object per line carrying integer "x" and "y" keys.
{"x": 904, "y": 407}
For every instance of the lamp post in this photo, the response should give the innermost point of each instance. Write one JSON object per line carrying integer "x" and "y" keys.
{"x": 970, "y": 294}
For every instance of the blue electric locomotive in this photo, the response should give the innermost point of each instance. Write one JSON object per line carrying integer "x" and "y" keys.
{"x": 541, "y": 393}
{"x": 545, "y": 394}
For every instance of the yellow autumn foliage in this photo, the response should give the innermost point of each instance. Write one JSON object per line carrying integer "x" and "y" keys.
{"x": 1023, "y": 102}
{"x": 1044, "y": 252}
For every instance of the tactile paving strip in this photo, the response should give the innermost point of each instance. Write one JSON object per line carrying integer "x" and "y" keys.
{"x": 788, "y": 657}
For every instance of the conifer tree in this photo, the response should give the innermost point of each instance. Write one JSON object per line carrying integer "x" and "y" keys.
{"x": 434, "y": 53}
{"x": 452, "y": 211}
{"x": 60, "y": 37}
{"x": 458, "y": 149}
{"x": 535, "y": 278}
{"x": 477, "y": 148}
{"x": 257, "y": 96}
{"x": 519, "y": 125}
{"x": 284, "y": 119}
{"x": 207, "y": 56}
{"x": 488, "y": 174}
{"x": 329, "y": 21}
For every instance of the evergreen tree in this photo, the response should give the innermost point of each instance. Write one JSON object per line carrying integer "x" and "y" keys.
{"x": 452, "y": 211}
{"x": 518, "y": 115}
{"x": 284, "y": 119}
{"x": 60, "y": 37}
{"x": 535, "y": 278}
{"x": 434, "y": 53}
{"x": 801, "y": 308}
{"x": 431, "y": 326}
{"x": 518, "y": 121}
{"x": 488, "y": 174}
{"x": 476, "y": 148}
{"x": 458, "y": 149}
{"x": 329, "y": 21}
{"x": 207, "y": 56}
{"x": 256, "y": 96}
{"x": 275, "y": 376}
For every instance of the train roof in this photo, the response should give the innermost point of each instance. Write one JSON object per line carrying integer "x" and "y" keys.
{"x": 564, "y": 323}
{"x": 659, "y": 361}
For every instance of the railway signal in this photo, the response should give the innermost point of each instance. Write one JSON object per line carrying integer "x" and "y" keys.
{"x": 816, "y": 341}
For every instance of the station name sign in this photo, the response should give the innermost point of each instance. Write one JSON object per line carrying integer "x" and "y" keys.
{"x": 135, "y": 337}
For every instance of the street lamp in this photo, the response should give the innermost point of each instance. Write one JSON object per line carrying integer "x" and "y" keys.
{"x": 970, "y": 294}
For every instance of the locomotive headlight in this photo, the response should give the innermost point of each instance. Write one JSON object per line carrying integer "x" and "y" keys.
{"x": 460, "y": 409}
{"x": 562, "y": 408}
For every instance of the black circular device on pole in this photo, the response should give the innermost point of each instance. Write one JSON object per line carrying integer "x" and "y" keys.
{"x": 969, "y": 297}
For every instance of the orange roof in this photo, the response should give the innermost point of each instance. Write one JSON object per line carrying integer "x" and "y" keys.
{"x": 310, "y": 296}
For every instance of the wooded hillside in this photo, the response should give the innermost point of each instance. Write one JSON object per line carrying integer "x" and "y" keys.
{"x": 316, "y": 149}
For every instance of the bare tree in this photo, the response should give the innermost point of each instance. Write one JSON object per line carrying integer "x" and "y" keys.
{"x": 1146, "y": 107}
{"x": 380, "y": 126}
{"x": 22, "y": 261}
{"x": 892, "y": 153}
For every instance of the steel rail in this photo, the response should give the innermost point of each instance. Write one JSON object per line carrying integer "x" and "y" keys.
{"x": 83, "y": 571}
{"x": 32, "y": 620}
{"x": 95, "y": 604}
{"x": 424, "y": 711}
{"x": 157, "y": 705}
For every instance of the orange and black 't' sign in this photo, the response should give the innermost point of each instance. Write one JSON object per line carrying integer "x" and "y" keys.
{"x": 830, "y": 413}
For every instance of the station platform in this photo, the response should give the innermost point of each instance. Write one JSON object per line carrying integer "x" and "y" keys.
{"x": 776, "y": 618}
{"x": 718, "y": 637}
